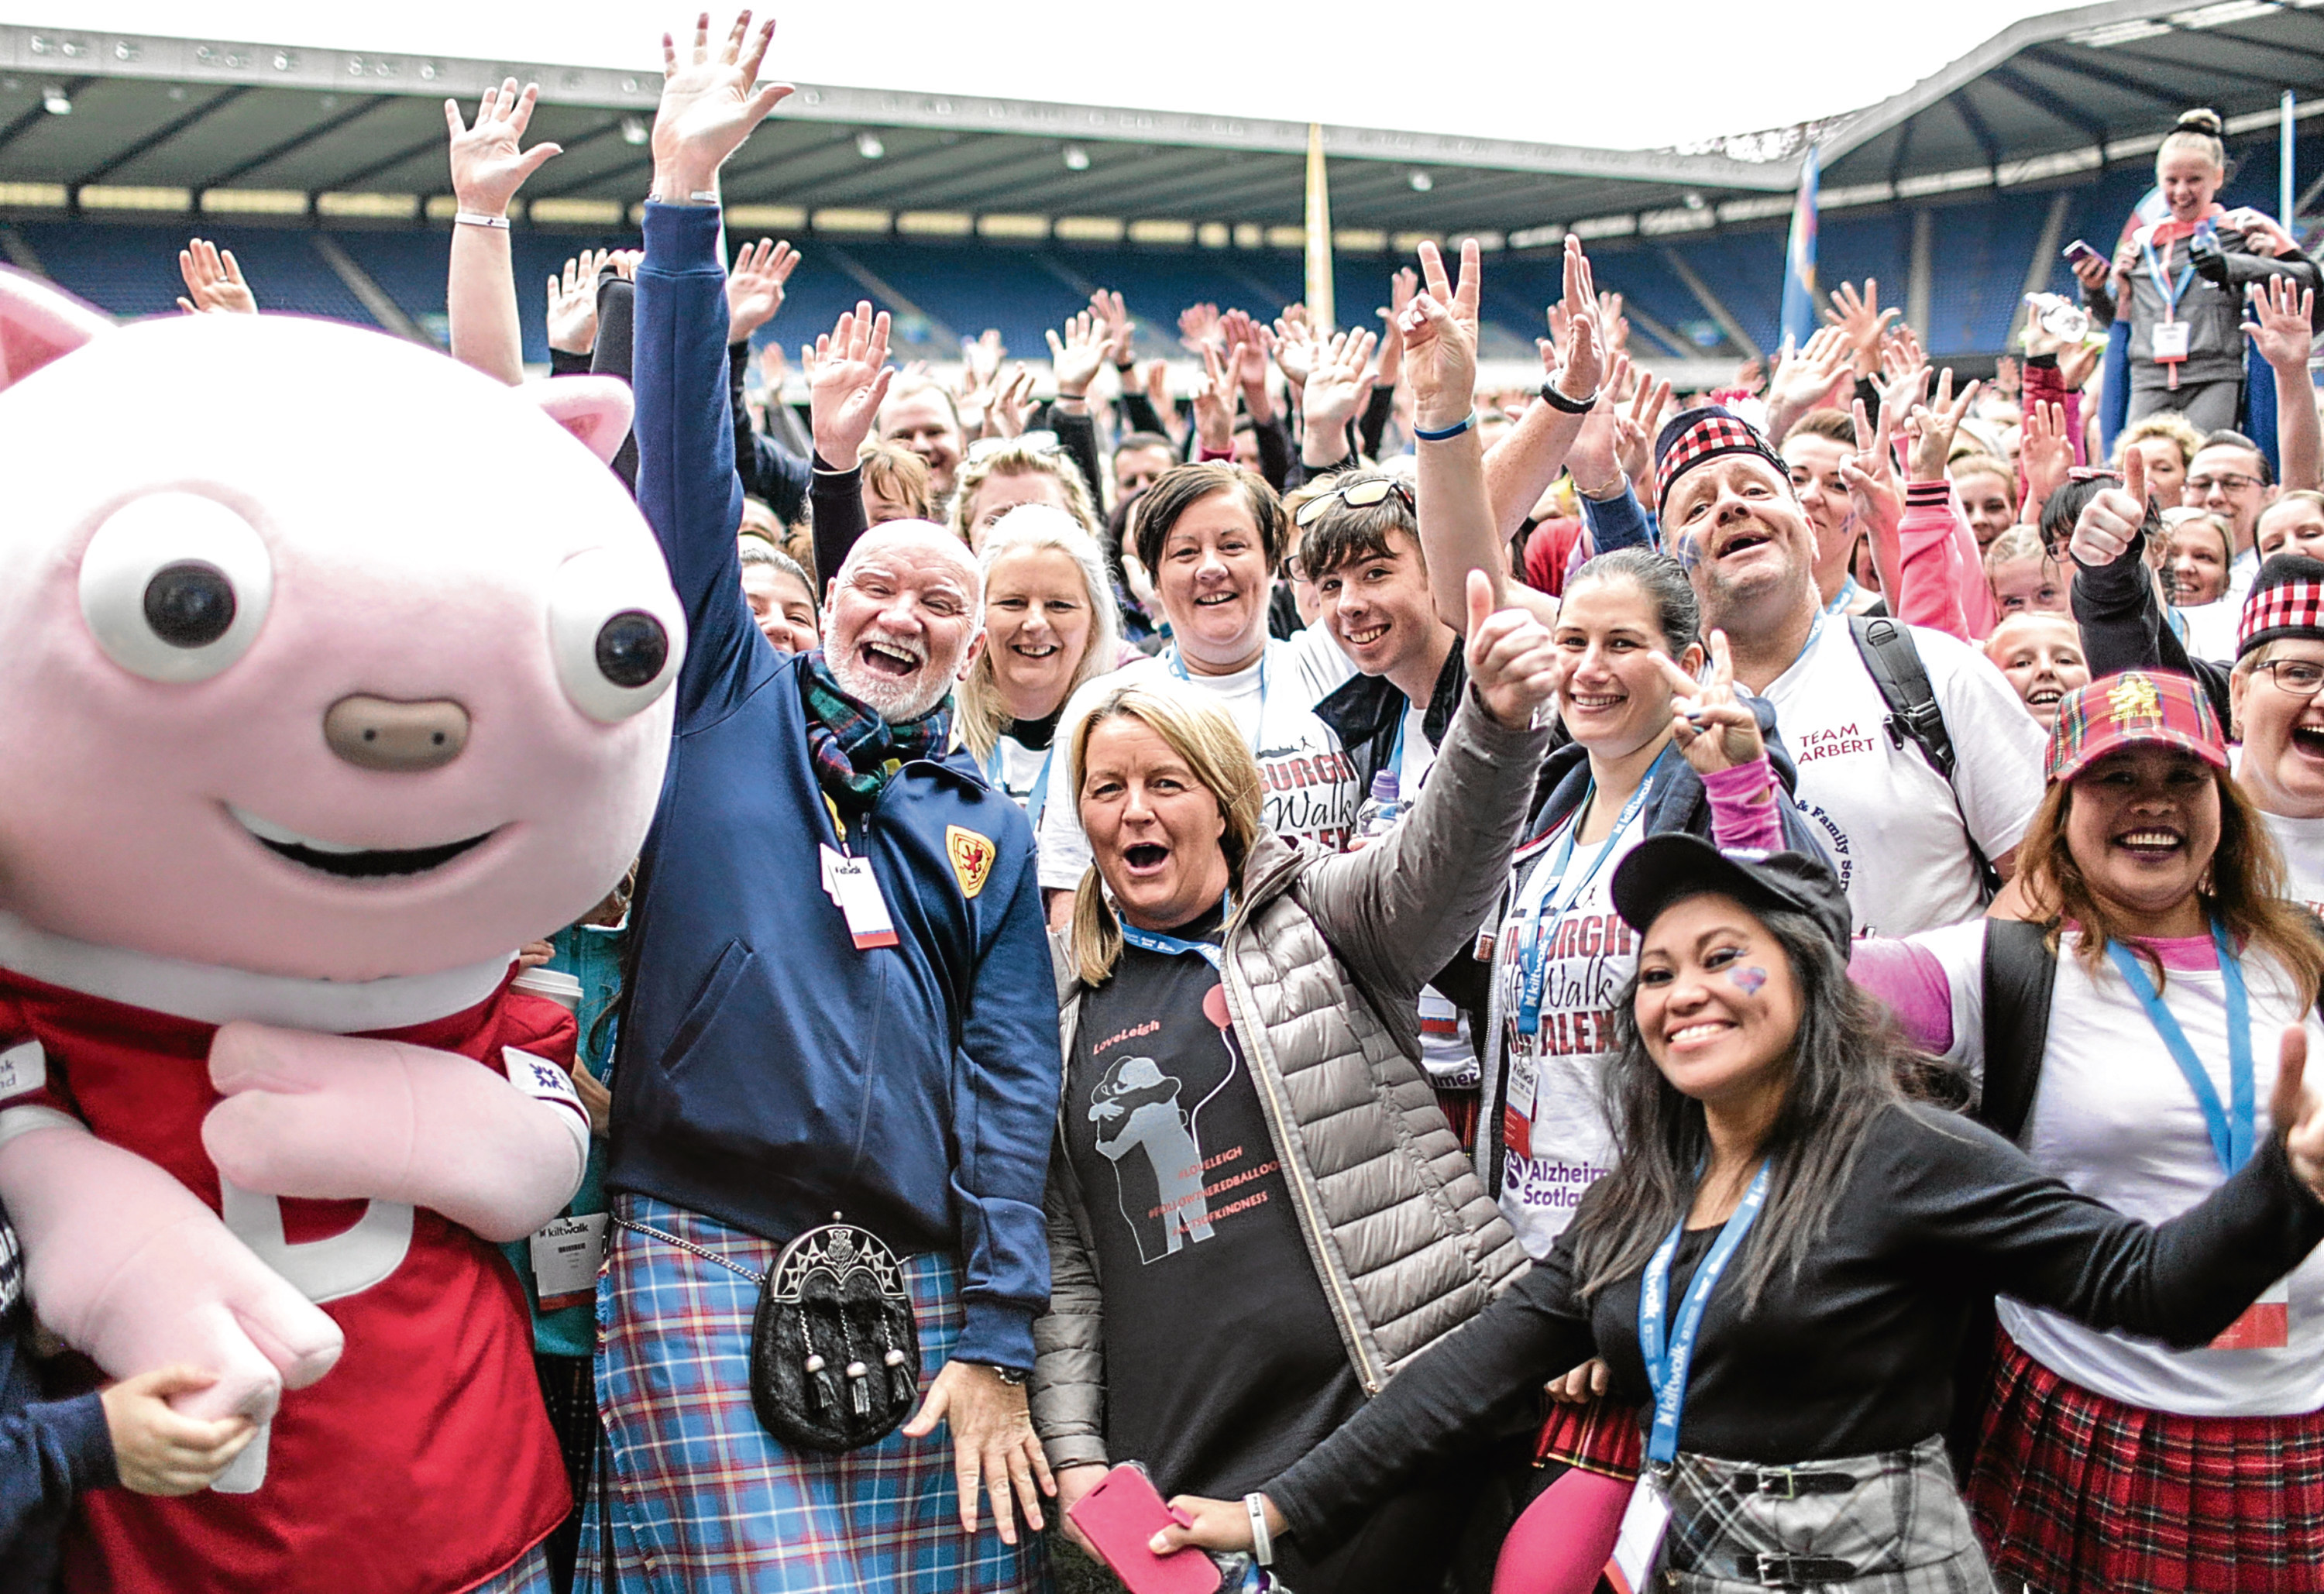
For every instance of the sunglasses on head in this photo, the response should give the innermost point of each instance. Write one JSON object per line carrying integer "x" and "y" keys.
{"x": 1363, "y": 494}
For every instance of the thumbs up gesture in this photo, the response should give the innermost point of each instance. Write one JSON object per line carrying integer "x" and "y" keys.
{"x": 1513, "y": 662}
{"x": 2112, "y": 522}
{"x": 2298, "y": 1115}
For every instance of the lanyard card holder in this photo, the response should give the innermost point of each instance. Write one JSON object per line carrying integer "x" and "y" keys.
{"x": 1639, "y": 1542}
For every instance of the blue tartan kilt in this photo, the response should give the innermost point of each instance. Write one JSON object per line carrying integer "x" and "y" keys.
{"x": 695, "y": 1496}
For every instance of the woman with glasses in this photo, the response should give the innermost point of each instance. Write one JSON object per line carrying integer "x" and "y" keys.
{"x": 2268, "y": 697}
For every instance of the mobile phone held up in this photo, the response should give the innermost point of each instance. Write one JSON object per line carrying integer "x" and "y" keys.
{"x": 2077, "y": 251}
{"x": 1120, "y": 1517}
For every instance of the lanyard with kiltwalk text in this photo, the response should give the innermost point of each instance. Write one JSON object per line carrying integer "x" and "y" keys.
{"x": 1034, "y": 798}
{"x": 1533, "y": 959}
{"x": 1668, "y": 1364}
{"x": 1172, "y": 945}
{"x": 2233, "y": 1127}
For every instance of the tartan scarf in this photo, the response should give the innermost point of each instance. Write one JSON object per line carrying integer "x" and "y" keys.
{"x": 852, "y": 748}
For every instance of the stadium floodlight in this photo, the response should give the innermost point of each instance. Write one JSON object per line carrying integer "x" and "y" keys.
{"x": 868, "y": 146}
{"x": 1421, "y": 181}
{"x": 1077, "y": 158}
{"x": 57, "y": 102}
{"x": 635, "y": 130}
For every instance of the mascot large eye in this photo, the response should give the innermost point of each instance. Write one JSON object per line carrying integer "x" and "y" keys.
{"x": 614, "y": 634}
{"x": 174, "y": 587}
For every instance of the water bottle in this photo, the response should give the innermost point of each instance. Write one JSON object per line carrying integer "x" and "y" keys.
{"x": 1379, "y": 813}
{"x": 2059, "y": 317}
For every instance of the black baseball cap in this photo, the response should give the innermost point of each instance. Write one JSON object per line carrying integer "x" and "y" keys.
{"x": 1665, "y": 869}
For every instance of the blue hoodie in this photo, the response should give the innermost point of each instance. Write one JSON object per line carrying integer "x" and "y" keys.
{"x": 770, "y": 1074}
{"x": 49, "y": 1451}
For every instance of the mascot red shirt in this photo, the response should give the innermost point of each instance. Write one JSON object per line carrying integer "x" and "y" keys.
{"x": 291, "y": 768}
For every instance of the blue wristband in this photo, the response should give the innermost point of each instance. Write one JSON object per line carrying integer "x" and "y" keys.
{"x": 1455, "y": 430}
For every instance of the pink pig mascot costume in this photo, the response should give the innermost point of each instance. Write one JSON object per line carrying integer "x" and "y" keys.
{"x": 336, "y": 687}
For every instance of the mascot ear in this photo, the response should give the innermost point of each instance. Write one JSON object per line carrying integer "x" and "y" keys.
{"x": 594, "y": 408}
{"x": 39, "y": 323}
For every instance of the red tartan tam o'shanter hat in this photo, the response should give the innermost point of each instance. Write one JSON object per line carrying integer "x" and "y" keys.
{"x": 2131, "y": 709}
{"x": 1695, "y": 437}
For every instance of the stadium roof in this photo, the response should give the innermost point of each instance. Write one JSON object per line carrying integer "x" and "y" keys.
{"x": 102, "y": 121}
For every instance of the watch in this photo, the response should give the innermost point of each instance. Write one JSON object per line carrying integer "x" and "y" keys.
{"x": 1010, "y": 1375}
{"x": 1557, "y": 400}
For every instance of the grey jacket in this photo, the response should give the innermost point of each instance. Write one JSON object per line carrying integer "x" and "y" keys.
{"x": 1322, "y": 966}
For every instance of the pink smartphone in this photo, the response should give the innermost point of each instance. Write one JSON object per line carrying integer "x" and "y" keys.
{"x": 2077, "y": 251}
{"x": 1120, "y": 1517}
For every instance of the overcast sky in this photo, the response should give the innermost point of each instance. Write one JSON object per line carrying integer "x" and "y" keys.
{"x": 1634, "y": 74}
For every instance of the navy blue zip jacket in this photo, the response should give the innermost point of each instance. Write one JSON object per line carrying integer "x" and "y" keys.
{"x": 49, "y": 1450}
{"x": 770, "y": 1074}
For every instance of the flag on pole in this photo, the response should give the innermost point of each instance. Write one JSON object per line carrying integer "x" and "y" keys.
{"x": 1319, "y": 233}
{"x": 1799, "y": 320}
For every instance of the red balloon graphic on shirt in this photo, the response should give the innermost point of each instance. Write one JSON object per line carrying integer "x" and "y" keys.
{"x": 1214, "y": 1008}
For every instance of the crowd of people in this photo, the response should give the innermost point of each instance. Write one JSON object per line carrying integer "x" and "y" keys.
{"x": 1282, "y": 946}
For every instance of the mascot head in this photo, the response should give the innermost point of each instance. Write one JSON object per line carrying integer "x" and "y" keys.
{"x": 320, "y": 655}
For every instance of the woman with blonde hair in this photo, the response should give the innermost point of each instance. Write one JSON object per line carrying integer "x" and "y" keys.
{"x": 1257, "y": 1211}
{"x": 1000, "y": 474}
{"x": 1050, "y": 627}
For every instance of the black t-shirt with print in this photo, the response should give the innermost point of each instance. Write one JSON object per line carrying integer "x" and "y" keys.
{"x": 1223, "y": 1363}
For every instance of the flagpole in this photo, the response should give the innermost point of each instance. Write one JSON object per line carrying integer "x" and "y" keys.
{"x": 1319, "y": 233}
{"x": 2283, "y": 188}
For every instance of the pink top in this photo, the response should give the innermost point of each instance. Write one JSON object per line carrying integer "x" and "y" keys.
{"x": 1910, "y": 979}
{"x": 1743, "y": 808}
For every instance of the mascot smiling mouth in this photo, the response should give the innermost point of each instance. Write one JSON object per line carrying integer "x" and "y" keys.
{"x": 346, "y": 862}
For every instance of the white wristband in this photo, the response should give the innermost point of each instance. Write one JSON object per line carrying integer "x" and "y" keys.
{"x": 1262, "y": 1543}
{"x": 472, "y": 218}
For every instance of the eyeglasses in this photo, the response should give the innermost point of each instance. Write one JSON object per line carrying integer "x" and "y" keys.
{"x": 2297, "y": 677}
{"x": 1357, "y": 494}
{"x": 2225, "y": 482}
{"x": 1041, "y": 442}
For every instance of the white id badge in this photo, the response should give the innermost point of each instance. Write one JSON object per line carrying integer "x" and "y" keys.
{"x": 2264, "y": 1325}
{"x": 2170, "y": 340}
{"x": 857, "y": 891}
{"x": 565, "y": 1256}
{"x": 1638, "y": 1546}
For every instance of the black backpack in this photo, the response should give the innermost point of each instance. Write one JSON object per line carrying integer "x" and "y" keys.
{"x": 1894, "y": 661}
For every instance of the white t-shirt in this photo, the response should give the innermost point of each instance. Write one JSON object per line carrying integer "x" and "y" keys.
{"x": 2211, "y": 628}
{"x": 2301, "y": 842}
{"x": 1554, "y": 1143}
{"x": 2114, "y": 1117}
{"x": 1892, "y": 828}
{"x": 1310, "y": 784}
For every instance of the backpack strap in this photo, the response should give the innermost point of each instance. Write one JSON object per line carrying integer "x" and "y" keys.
{"x": 1893, "y": 659}
{"x": 2020, "y": 973}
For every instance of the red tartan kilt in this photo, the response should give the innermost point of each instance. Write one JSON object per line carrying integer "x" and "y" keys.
{"x": 2077, "y": 1494}
{"x": 1599, "y": 1437}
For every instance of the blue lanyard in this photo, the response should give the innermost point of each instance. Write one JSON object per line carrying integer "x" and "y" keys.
{"x": 1533, "y": 960}
{"x": 1668, "y": 1367}
{"x": 1396, "y": 753}
{"x": 1172, "y": 945}
{"x": 1849, "y": 593}
{"x": 2159, "y": 271}
{"x": 1036, "y": 798}
{"x": 2231, "y": 1138}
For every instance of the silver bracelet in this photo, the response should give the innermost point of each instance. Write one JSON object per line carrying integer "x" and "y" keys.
{"x": 476, "y": 218}
{"x": 1262, "y": 1543}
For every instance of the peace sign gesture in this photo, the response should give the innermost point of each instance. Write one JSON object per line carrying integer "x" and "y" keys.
{"x": 1713, "y": 727}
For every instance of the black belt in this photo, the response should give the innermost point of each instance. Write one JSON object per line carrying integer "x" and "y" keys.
{"x": 1789, "y": 1483}
{"x": 1793, "y": 1571}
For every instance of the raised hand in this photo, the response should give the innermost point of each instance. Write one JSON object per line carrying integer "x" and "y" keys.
{"x": 1249, "y": 343}
{"x": 1804, "y": 376}
{"x": 2279, "y": 328}
{"x": 1713, "y": 727}
{"x": 1106, "y": 308}
{"x": 1583, "y": 350}
{"x": 754, "y": 286}
{"x": 1591, "y": 459}
{"x": 1858, "y": 315}
{"x": 1155, "y": 377}
{"x": 214, "y": 279}
{"x": 2047, "y": 453}
{"x": 1874, "y": 493}
{"x": 2075, "y": 365}
{"x": 848, "y": 376}
{"x": 2007, "y": 380}
{"x": 488, "y": 163}
{"x": 709, "y": 104}
{"x": 2113, "y": 521}
{"x": 1076, "y": 357}
{"x": 1215, "y": 405}
{"x": 2295, "y": 1111}
{"x": 1933, "y": 426}
{"x": 573, "y": 303}
{"x": 1439, "y": 339}
{"x": 1295, "y": 347}
{"x": 1335, "y": 387}
{"x": 1513, "y": 661}
{"x": 1634, "y": 431}
{"x": 1614, "y": 324}
{"x": 1198, "y": 326}
{"x": 1009, "y": 405}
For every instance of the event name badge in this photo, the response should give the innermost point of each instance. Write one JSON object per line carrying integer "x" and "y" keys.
{"x": 850, "y": 884}
{"x": 2170, "y": 340}
{"x": 2265, "y": 1324}
{"x": 566, "y": 1257}
{"x": 1639, "y": 1544}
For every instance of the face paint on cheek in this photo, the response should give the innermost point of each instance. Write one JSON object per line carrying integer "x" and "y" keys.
{"x": 1747, "y": 980}
{"x": 1689, "y": 550}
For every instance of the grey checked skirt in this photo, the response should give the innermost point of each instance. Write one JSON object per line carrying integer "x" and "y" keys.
{"x": 1902, "y": 1528}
